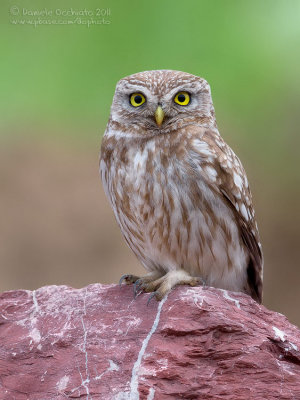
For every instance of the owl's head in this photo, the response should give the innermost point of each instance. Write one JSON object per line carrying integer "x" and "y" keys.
{"x": 161, "y": 101}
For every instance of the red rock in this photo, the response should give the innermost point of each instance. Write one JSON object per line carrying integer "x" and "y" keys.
{"x": 99, "y": 343}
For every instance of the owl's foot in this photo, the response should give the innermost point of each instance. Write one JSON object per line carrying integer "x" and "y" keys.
{"x": 138, "y": 282}
{"x": 145, "y": 281}
{"x": 162, "y": 286}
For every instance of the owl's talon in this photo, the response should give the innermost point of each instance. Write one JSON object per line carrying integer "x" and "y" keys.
{"x": 204, "y": 284}
{"x": 128, "y": 278}
{"x": 137, "y": 287}
{"x": 122, "y": 279}
{"x": 151, "y": 297}
{"x": 200, "y": 282}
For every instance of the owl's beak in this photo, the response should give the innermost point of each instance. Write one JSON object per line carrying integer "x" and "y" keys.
{"x": 159, "y": 115}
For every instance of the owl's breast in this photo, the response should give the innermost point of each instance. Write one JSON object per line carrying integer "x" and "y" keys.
{"x": 170, "y": 217}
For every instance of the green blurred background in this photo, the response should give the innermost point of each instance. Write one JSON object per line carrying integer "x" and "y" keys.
{"x": 57, "y": 84}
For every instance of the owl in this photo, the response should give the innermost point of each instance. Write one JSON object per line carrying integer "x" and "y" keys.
{"x": 179, "y": 193}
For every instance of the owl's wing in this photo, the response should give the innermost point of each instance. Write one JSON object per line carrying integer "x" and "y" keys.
{"x": 224, "y": 172}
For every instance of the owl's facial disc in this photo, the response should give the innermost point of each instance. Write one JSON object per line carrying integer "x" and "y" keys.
{"x": 158, "y": 102}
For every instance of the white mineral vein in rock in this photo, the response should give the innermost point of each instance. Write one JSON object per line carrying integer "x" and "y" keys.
{"x": 134, "y": 394}
{"x": 226, "y": 296}
{"x": 151, "y": 394}
{"x": 280, "y": 334}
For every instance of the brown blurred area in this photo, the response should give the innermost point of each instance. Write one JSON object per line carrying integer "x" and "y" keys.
{"x": 56, "y": 224}
{"x": 58, "y": 228}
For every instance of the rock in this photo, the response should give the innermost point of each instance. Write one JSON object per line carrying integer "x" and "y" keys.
{"x": 100, "y": 343}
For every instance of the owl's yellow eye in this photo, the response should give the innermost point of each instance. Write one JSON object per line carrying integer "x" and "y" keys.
{"x": 137, "y": 99}
{"x": 182, "y": 98}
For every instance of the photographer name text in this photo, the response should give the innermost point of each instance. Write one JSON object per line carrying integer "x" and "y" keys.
{"x": 61, "y": 12}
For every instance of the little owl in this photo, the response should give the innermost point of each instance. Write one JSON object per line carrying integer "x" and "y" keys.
{"x": 179, "y": 193}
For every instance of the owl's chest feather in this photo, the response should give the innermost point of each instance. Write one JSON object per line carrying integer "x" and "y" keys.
{"x": 155, "y": 193}
{"x": 155, "y": 184}
{"x": 150, "y": 177}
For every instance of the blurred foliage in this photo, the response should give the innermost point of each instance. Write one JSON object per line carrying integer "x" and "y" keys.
{"x": 247, "y": 50}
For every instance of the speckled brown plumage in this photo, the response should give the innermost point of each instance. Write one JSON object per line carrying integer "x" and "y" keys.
{"x": 179, "y": 193}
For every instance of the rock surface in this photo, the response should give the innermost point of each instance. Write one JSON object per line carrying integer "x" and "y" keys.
{"x": 99, "y": 343}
